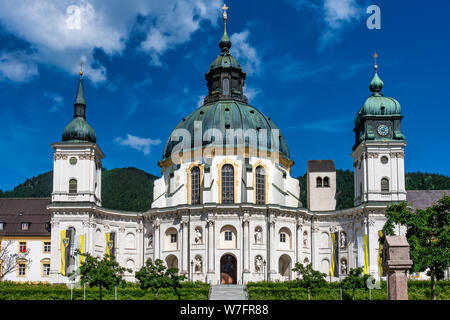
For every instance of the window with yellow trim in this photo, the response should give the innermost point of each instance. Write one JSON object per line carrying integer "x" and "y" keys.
{"x": 22, "y": 246}
{"x": 45, "y": 268}
{"x": 21, "y": 269}
{"x": 195, "y": 185}
{"x": 227, "y": 183}
{"x": 260, "y": 185}
{"x": 47, "y": 247}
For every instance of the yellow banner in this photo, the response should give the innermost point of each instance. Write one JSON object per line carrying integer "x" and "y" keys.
{"x": 366, "y": 253}
{"x": 63, "y": 252}
{"x": 380, "y": 260}
{"x": 333, "y": 240}
{"x": 82, "y": 249}
{"x": 107, "y": 241}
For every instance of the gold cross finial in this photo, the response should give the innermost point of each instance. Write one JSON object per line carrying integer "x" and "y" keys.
{"x": 375, "y": 56}
{"x": 225, "y": 8}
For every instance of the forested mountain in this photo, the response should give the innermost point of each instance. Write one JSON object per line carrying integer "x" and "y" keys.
{"x": 131, "y": 189}
{"x": 345, "y": 190}
{"x": 127, "y": 189}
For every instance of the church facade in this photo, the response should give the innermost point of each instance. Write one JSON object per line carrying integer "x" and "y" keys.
{"x": 226, "y": 209}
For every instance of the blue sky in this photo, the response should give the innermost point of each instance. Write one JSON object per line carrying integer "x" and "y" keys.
{"x": 308, "y": 67}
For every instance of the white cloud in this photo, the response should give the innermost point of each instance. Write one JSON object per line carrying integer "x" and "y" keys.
{"x": 63, "y": 32}
{"x": 244, "y": 52}
{"x": 175, "y": 25}
{"x": 57, "y": 100}
{"x": 15, "y": 67}
{"x": 336, "y": 15}
{"x": 251, "y": 92}
{"x": 141, "y": 144}
{"x": 200, "y": 100}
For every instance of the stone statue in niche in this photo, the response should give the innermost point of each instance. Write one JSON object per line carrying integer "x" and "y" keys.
{"x": 258, "y": 235}
{"x": 150, "y": 240}
{"x": 198, "y": 264}
{"x": 343, "y": 266}
{"x": 258, "y": 264}
{"x": 305, "y": 240}
{"x": 343, "y": 239}
{"x": 198, "y": 236}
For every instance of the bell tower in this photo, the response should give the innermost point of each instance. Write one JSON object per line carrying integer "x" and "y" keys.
{"x": 77, "y": 159}
{"x": 378, "y": 153}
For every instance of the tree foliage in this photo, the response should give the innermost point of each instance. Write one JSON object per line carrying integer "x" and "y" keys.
{"x": 156, "y": 276}
{"x": 354, "y": 280}
{"x": 310, "y": 278}
{"x": 428, "y": 234}
{"x": 101, "y": 273}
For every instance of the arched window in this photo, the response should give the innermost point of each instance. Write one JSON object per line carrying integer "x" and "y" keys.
{"x": 195, "y": 185}
{"x": 385, "y": 185}
{"x": 226, "y": 86}
{"x": 227, "y": 184}
{"x": 319, "y": 182}
{"x": 326, "y": 182}
{"x": 260, "y": 185}
{"x": 73, "y": 186}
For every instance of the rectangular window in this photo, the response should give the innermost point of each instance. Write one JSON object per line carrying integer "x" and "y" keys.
{"x": 22, "y": 269}
{"x": 22, "y": 247}
{"x": 282, "y": 237}
{"x": 47, "y": 246}
{"x": 173, "y": 238}
{"x": 46, "y": 269}
{"x": 1, "y": 225}
{"x": 228, "y": 236}
{"x": 25, "y": 225}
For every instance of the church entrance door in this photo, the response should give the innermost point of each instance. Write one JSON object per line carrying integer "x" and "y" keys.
{"x": 228, "y": 273}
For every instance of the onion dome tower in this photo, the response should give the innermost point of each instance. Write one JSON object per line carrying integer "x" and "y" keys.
{"x": 77, "y": 166}
{"x": 378, "y": 152}
{"x": 78, "y": 130}
{"x": 226, "y": 133}
{"x": 379, "y": 118}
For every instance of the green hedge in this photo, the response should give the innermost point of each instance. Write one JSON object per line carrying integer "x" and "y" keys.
{"x": 290, "y": 290}
{"x": 129, "y": 291}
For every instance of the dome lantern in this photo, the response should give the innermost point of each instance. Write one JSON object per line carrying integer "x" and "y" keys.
{"x": 225, "y": 78}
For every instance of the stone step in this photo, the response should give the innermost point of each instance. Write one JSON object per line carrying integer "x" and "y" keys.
{"x": 228, "y": 292}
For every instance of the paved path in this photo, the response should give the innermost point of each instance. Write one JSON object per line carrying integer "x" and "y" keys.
{"x": 228, "y": 292}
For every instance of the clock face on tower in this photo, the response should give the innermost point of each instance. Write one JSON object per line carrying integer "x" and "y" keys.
{"x": 383, "y": 130}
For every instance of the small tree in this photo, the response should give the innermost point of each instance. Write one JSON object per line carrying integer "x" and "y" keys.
{"x": 157, "y": 275}
{"x": 310, "y": 277}
{"x": 9, "y": 258}
{"x": 354, "y": 280}
{"x": 101, "y": 273}
{"x": 428, "y": 234}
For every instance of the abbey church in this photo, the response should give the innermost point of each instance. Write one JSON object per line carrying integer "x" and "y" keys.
{"x": 226, "y": 208}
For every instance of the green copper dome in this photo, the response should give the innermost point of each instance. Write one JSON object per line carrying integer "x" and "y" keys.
{"x": 78, "y": 130}
{"x": 378, "y": 104}
{"x": 228, "y": 114}
{"x": 225, "y": 61}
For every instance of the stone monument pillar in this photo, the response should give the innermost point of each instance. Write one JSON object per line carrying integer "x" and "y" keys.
{"x": 396, "y": 263}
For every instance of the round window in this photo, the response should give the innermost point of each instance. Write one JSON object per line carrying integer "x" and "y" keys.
{"x": 73, "y": 160}
{"x": 384, "y": 160}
